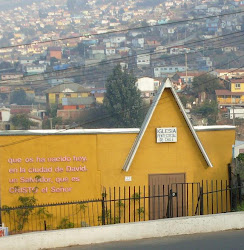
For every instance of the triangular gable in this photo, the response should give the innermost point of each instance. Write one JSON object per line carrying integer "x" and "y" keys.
{"x": 149, "y": 115}
{"x": 68, "y": 90}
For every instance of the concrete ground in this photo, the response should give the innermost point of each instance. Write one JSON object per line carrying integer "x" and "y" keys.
{"x": 227, "y": 240}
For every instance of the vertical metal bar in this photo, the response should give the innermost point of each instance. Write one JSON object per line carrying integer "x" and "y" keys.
{"x": 106, "y": 207}
{"x": 74, "y": 215}
{"x": 149, "y": 203}
{"x": 88, "y": 212}
{"x": 226, "y": 197}
{"x": 110, "y": 206}
{"x": 103, "y": 209}
{"x": 202, "y": 200}
{"x": 119, "y": 205}
{"x": 212, "y": 196}
{"x": 221, "y": 187}
{"x": 217, "y": 196}
{"x": 77, "y": 214}
{"x": 153, "y": 202}
{"x": 187, "y": 200}
{"x": 177, "y": 205}
{"x": 192, "y": 196}
{"x": 114, "y": 207}
{"x": 129, "y": 204}
{"x": 158, "y": 202}
{"x": 163, "y": 203}
{"x": 239, "y": 188}
{"x": 124, "y": 201}
{"x": 207, "y": 198}
{"x": 135, "y": 203}
{"x": 139, "y": 203}
{"x": 198, "y": 193}
{"x": 144, "y": 204}
{"x": 182, "y": 200}
{"x": 230, "y": 186}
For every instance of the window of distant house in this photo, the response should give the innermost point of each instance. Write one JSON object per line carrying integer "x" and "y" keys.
{"x": 170, "y": 68}
{"x": 237, "y": 85}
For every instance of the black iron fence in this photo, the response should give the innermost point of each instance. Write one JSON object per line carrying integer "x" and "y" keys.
{"x": 128, "y": 204}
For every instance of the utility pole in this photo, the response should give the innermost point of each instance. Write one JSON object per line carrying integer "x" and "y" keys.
{"x": 186, "y": 68}
{"x": 51, "y": 123}
{"x": 234, "y": 117}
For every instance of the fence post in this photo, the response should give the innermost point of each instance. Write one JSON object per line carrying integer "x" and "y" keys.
{"x": 230, "y": 186}
{"x": 103, "y": 209}
{"x": 239, "y": 188}
{"x": 201, "y": 200}
{"x": 169, "y": 206}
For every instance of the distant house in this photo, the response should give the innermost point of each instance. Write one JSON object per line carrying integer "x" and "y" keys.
{"x": 110, "y": 51}
{"x": 78, "y": 103}
{"x": 163, "y": 71}
{"x": 138, "y": 42}
{"x": 55, "y": 94}
{"x": 238, "y": 148}
{"x": 27, "y": 60}
{"x": 179, "y": 50}
{"x": 10, "y": 76}
{"x": 34, "y": 69}
{"x": 148, "y": 86}
{"x": 212, "y": 24}
{"x": 143, "y": 60}
{"x": 233, "y": 96}
{"x": 189, "y": 77}
{"x": 4, "y": 114}
{"x": 55, "y": 52}
{"x": 229, "y": 73}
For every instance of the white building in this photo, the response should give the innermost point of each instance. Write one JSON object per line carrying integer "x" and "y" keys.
{"x": 164, "y": 70}
{"x": 4, "y": 114}
{"x": 143, "y": 60}
{"x": 238, "y": 148}
{"x": 238, "y": 111}
{"x": 148, "y": 86}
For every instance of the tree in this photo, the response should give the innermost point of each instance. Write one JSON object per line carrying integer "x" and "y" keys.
{"x": 22, "y": 121}
{"x": 19, "y": 97}
{"x": 208, "y": 110}
{"x": 6, "y": 65}
{"x": 122, "y": 100}
{"x": 205, "y": 83}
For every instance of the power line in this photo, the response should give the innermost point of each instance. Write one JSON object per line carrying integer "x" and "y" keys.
{"x": 123, "y": 58}
{"x": 81, "y": 124}
{"x": 88, "y": 122}
{"x": 102, "y": 78}
{"x": 125, "y": 30}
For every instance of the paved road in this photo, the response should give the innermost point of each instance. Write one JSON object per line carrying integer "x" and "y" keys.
{"x": 228, "y": 240}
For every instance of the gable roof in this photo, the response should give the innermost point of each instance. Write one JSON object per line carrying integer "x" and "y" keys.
{"x": 149, "y": 115}
{"x": 68, "y": 88}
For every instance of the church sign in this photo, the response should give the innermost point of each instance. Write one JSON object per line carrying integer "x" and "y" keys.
{"x": 166, "y": 134}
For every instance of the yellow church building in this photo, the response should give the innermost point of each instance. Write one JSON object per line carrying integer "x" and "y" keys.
{"x": 77, "y": 164}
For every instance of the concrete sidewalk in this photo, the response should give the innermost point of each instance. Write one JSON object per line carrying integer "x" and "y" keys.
{"x": 124, "y": 232}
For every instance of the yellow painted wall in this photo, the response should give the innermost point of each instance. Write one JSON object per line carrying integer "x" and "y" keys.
{"x": 234, "y": 89}
{"x": 106, "y": 154}
{"x": 52, "y": 96}
{"x": 230, "y": 100}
